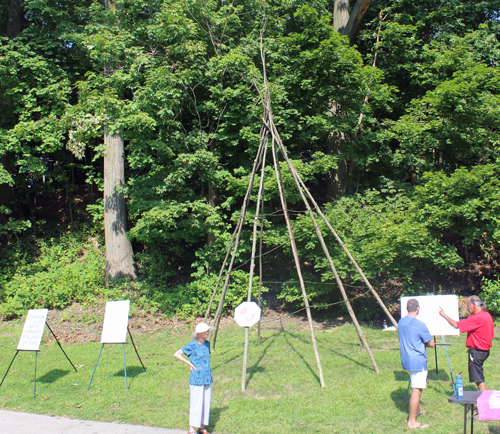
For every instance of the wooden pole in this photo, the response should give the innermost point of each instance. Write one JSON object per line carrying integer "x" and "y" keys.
{"x": 346, "y": 250}
{"x": 361, "y": 335}
{"x": 260, "y": 271}
{"x": 264, "y": 139}
{"x": 258, "y": 160}
{"x": 297, "y": 263}
{"x": 209, "y": 308}
{"x": 267, "y": 111}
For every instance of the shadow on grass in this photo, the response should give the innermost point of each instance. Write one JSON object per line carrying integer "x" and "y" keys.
{"x": 239, "y": 355}
{"x": 52, "y": 376}
{"x": 132, "y": 372}
{"x": 432, "y": 378}
{"x": 493, "y": 429}
{"x": 363, "y": 365}
{"x": 286, "y": 335}
{"x": 256, "y": 368}
{"x": 401, "y": 376}
{"x": 215, "y": 416}
{"x": 398, "y": 397}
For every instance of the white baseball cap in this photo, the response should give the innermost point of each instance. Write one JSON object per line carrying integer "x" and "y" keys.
{"x": 202, "y": 327}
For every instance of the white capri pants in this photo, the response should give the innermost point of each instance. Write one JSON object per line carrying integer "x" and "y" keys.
{"x": 199, "y": 412}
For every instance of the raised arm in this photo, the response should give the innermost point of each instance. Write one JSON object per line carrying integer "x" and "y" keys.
{"x": 451, "y": 321}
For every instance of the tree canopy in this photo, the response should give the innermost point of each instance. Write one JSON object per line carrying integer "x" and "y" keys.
{"x": 417, "y": 92}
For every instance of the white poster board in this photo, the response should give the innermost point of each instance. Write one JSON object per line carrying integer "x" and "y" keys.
{"x": 429, "y": 313}
{"x": 115, "y": 326}
{"x": 33, "y": 330}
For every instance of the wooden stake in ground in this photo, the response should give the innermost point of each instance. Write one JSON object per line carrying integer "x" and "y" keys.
{"x": 268, "y": 124}
{"x": 361, "y": 335}
{"x": 274, "y": 135}
{"x": 257, "y": 162}
{"x": 264, "y": 139}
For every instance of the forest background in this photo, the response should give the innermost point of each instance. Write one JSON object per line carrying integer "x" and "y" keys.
{"x": 128, "y": 132}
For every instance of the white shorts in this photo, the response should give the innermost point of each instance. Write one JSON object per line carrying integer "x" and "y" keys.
{"x": 418, "y": 379}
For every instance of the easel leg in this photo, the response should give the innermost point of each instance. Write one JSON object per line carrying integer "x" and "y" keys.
{"x": 95, "y": 367}
{"x": 17, "y": 351}
{"x": 58, "y": 343}
{"x": 436, "y": 356}
{"x": 407, "y": 390}
{"x": 449, "y": 365}
{"x": 34, "y": 381}
{"x": 133, "y": 343}
{"x": 125, "y": 366}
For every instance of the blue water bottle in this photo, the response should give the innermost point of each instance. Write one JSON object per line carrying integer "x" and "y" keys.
{"x": 459, "y": 387}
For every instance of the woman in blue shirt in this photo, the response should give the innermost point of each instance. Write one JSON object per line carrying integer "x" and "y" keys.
{"x": 200, "y": 380}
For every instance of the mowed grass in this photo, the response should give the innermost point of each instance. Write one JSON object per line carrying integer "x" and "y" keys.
{"x": 283, "y": 392}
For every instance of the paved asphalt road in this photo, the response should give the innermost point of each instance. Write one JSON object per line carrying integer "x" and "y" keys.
{"x": 13, "y": 422}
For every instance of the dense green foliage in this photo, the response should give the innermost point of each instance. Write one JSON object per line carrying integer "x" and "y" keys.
{"x": 180, "y": 81}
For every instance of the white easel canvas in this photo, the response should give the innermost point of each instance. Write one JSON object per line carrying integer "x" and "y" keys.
{"x": 115, "y": 326}
{"x": 429, "y": 313}
{"x": 34, "y": 326}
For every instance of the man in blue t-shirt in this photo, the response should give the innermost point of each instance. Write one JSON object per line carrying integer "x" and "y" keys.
{"x": 413, "y": 338}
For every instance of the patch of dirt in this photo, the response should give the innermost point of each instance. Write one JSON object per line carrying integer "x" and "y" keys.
{"x": 83, "y": 323}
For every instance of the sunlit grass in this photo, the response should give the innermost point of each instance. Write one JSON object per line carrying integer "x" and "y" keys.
{"x": 282, "y": 394}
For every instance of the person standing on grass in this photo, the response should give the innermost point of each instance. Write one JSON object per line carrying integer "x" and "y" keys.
{"x": 480, "y": 333}
{"x": 413, "y": 338}
{"x": 200, "y": 380}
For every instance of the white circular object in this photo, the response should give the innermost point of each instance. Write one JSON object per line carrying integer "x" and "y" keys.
{"x": 247, "y": 314}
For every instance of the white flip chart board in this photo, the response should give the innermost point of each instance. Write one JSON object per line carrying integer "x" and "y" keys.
{"x": 429, "y": 313}
{"x": 33, "y": 330}
{"x": 114, "y": 329}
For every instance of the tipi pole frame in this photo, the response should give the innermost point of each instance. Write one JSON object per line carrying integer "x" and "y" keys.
{"x": 346, "y": 250}
{"x": 264, "y": 139}
{"x": 361, "y": 335}
{"x": 258, "y": 160}
{"x": 297, "y": 262}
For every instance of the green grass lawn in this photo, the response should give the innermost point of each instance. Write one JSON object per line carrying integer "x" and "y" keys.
{"x": 283, "y": 392}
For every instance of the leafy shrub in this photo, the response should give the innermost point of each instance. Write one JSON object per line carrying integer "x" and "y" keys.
{"x": 192, "y": 299}
{"x": 320, "y": 294}
{"x": 491, "y": 295}
{"x": 65, "y": 269}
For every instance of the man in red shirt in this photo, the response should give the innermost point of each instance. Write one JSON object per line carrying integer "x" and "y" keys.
{"x": 479, "y": 328}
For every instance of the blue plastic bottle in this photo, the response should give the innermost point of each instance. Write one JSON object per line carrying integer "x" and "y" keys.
{"x": 459, "y": 387}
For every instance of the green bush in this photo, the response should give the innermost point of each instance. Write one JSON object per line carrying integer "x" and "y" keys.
{"x": 192, "y": 299}
{"x": 491, "y": 295}
{"x": 63, "y": 270}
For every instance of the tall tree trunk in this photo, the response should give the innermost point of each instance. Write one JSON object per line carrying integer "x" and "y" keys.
{"x": 336, "y": 181}
{"x": 341, "y": 16}
{"x": 15, "y": 23}
{"x": 346, "y": 21}
{"x": 119, "y": 255}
